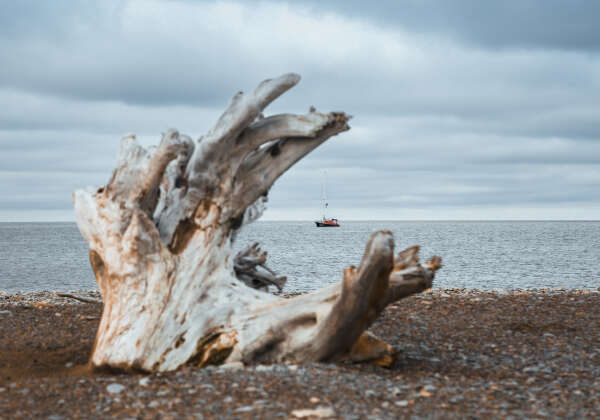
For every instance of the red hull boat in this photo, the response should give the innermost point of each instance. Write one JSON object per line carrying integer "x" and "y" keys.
{"x": 327, "y": 223}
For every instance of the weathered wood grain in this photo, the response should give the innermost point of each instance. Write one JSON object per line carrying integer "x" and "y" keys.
{"x": 160, "y": 235}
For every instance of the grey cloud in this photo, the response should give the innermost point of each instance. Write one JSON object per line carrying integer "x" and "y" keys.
{"x": 449, "y": 113}
{"x": 409, "y": 145}
{"x": 88, "y": 50}
{"x": 54, "y": 20}
{"x": 546, "y": 24}
{"x": 35, "y": 190}
{"x": 38, "y": 112}
{"x": 431, "y": 189}
{"x": 50, "y": 151}
{"x": 418, "y": 171}
{"x": 105, "y": 58}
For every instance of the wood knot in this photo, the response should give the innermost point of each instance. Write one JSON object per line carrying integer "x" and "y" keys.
{"x": 275, "y": 150}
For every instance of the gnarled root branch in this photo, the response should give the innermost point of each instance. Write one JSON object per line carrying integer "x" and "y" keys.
{"x": 330, "y": 324}
{"x": 251, "y": 268}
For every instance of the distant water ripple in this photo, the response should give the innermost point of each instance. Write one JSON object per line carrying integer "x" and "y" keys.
{"x": 482, "y": 255}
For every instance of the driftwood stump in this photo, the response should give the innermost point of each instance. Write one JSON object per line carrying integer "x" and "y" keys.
{"x": 160, "y": 235}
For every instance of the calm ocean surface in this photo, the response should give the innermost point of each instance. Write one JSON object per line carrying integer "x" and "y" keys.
{"x": 482, "y": 255}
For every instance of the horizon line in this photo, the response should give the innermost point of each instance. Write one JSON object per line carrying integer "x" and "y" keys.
{"x": 360, "y": 220}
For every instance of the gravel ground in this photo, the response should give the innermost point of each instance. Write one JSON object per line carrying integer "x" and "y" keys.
{"x": 463, "y": 354}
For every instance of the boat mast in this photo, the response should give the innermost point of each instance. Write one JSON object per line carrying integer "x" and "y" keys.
{"x": 324, "y": 194}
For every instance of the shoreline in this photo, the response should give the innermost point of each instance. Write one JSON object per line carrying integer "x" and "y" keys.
{"x": 462, "y": 352}
{"x": 34, "y": 295}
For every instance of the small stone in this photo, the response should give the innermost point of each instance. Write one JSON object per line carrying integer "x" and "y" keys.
{"x": 57, "y": 314}
{"x": 69, "y": 365}
{"x": 245, "y": 409}
{"x": 227, "y": 399}
{"x": 231, "y": 366}
{"x": 370, "y": 393}
{"x": 319, "y": 412}
{"x": 264, "y": 368}
{"x": 5, "y": 313}
{"x": 153, "y": 404}
{"x": 2, "y": 389}
{"x": 314, "y": 400}
{"x": 115, "y": 388}
{"x": 456, "y": 399}
{"x": 144, "y": 381}
{"x": 423, "y": 393}
{"x": 401, "y": 403}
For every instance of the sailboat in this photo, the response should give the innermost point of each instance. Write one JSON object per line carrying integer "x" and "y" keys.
{"x": 325, "y": 221}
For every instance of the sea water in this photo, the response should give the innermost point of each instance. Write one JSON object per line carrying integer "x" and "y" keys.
{"x": 482, "y": 255}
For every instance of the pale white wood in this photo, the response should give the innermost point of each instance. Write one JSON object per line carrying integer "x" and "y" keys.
{"x": 160, "y": 235}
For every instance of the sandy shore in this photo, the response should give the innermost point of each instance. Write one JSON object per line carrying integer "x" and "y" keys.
{"x": 519, "y": 354}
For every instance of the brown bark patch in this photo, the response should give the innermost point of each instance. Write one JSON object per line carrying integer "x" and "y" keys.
{"x": 214, "y": 349}
{"x": 97, "y": 266}
{"x": 369, "y": 348}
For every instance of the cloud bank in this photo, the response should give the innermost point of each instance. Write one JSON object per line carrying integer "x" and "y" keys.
{"x": 462, "y": 110}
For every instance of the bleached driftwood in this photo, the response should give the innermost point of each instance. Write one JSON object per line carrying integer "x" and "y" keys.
{"x": 251, "y": 268}
{"x": 79, "y": 298}
{"x": 160, "y": 235}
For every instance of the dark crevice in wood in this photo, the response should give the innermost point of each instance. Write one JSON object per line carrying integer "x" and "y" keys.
{"x": 261, "y": 351}
{"x": 275, "y": 149}
{"x": 183, "y": 233}
{"x": 236, "y": 223}
{"x": 180, "y": 340}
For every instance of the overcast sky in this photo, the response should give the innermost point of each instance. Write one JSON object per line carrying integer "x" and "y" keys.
{"x": 462, "y": 109}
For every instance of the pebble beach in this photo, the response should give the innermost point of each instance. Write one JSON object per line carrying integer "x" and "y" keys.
{"x": 461, "y": 354}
